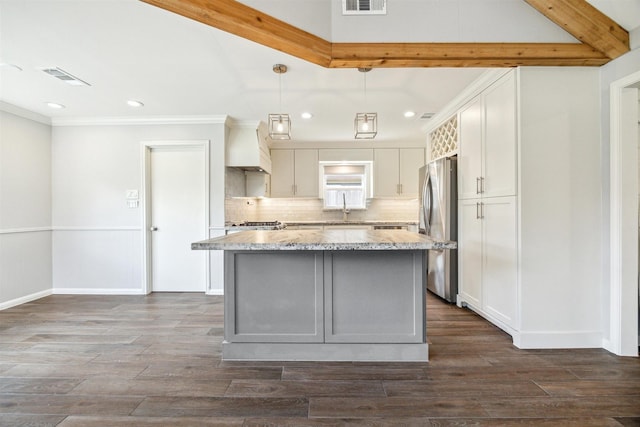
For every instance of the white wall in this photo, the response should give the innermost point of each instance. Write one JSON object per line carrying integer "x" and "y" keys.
{"x": 97, "y": 239}
{"x": 560, "y": 207}
{"x": 25, "y": 209}
{"x": 447, "y": 21}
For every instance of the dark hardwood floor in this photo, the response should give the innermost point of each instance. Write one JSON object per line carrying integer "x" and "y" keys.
{"x": 155, "y": 361}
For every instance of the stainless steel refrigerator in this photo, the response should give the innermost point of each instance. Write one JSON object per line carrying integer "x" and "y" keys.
{"x": 439, "y": 219}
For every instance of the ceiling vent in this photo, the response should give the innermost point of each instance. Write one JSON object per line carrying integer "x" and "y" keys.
{"x": 364, "y": 7}
{"x": 65, "y": 77}
{"x": 427, "y": 116}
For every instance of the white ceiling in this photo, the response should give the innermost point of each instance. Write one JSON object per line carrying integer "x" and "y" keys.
{"x": 127, "y": 49}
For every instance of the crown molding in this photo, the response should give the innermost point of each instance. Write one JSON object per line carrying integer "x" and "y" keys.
{"x": 26, "y": 114}
{"x": 139, "y": 121}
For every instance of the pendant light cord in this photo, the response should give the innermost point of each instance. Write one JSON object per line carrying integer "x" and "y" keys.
{"x": 280, "y": 94}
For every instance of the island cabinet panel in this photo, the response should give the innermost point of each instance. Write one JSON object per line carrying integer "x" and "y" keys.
{"x": 387, "y": 307}
{"x": 273, "y": 297}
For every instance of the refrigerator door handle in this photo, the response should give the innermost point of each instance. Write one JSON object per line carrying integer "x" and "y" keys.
{"x": 427, "y": 194}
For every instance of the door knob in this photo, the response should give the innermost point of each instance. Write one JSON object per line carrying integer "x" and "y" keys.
{"x": 153, "y": 228}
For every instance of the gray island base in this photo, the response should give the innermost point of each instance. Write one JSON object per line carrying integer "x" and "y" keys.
{"x": 334, "y": 295}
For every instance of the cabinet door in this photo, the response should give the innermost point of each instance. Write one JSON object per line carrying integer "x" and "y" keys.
{"x": 411, "y": 160}
{"x": 263, "y": 305}
{"x": 386, "y": 172}
{"x": 499, "y": 170}
{"x": 306, "y": 173}
{"x": 257, "y": 184}
{"x": 470, "y": 252}
{"x": 282, "y": 173}
{"x": 499, "y": 269}
{"x": 374, "y": 296}
{"x": 470, "y": 150}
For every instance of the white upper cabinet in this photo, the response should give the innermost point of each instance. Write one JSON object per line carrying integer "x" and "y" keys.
{"x": 411, "y": 160}
{"x": 488, "y": 140}
{"x": 386, "y": 172}
{"x": 500, "y": 139}
{"x": 294, "y": 173}
{"x": 306, "y": 173}
{"x": 396, "y": 171}
{"x": 470, "y": 150}
{"x": 282, "y": 173}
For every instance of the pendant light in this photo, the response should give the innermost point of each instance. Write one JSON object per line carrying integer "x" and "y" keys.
{"x": 280, "y": 123}
{"x": 365, "y": 124}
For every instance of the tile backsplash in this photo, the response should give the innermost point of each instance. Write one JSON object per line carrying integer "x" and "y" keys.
{"x": 239, "y": 209}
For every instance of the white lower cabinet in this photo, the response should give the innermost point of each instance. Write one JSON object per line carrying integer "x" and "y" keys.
{"x": 487, "y": 256}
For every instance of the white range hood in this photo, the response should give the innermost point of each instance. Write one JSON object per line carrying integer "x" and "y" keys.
{"x": 248, "y": 148}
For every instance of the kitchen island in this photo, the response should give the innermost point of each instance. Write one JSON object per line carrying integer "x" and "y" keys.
{"x": 356, "y": 295}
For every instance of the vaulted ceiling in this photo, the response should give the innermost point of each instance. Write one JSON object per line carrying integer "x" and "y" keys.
{"x": 214, "y": 58}
{"x": 601, "y": 39}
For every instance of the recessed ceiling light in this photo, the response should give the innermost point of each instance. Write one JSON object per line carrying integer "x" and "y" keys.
{"x": 306, "y": 115}
{"x": 409, "y": 114}
{"x": 134, "y": 103}
{"x": 55, "y": 105}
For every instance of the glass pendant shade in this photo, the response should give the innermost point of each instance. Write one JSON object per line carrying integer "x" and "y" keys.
{"x": 366, "y": 125}
{"x": 279, "y": 126}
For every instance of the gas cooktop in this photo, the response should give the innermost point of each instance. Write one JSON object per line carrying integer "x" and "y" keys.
{"x": 261, "y": 225}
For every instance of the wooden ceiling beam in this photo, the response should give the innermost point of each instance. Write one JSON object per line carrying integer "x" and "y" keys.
{"x": 587, "y": 24}
{"x": 251, "y": 24}
{"x": 349, "y": 55}
{"x": 246, "y": 22}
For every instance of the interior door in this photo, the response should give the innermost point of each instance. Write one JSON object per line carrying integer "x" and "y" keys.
{"x": 177, "y": 197}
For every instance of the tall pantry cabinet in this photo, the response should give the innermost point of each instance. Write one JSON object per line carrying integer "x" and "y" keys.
{"x": 487, "y": 183}
{"x": 530, "y": 208}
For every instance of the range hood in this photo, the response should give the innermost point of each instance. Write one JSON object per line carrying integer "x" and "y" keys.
{"x": 247, "y": 147}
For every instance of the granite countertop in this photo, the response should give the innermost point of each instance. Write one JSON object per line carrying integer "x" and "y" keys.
{"x": 351, "y": 222}
{"x": 327, "y": 240}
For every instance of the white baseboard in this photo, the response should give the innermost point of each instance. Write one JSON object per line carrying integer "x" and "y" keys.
{"x": 487, "y": 316}
{"x": 98, "y": 291}
{"x": 24, "y": 299}
{"x": 558, "y": 339}
{"x": 215, "y": 292}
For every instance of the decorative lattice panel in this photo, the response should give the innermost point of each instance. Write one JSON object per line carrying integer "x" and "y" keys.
{"x": 444, "y": 139}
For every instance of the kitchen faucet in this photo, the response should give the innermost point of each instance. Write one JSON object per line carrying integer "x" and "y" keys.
{"x": 345, "y": 211}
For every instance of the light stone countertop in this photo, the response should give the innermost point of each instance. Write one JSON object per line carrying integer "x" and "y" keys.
{"x": 350, "y": 222}
{"x": 327, "y": 240}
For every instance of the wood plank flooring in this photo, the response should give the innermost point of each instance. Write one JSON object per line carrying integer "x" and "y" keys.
{"x": 155, "y": 361}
